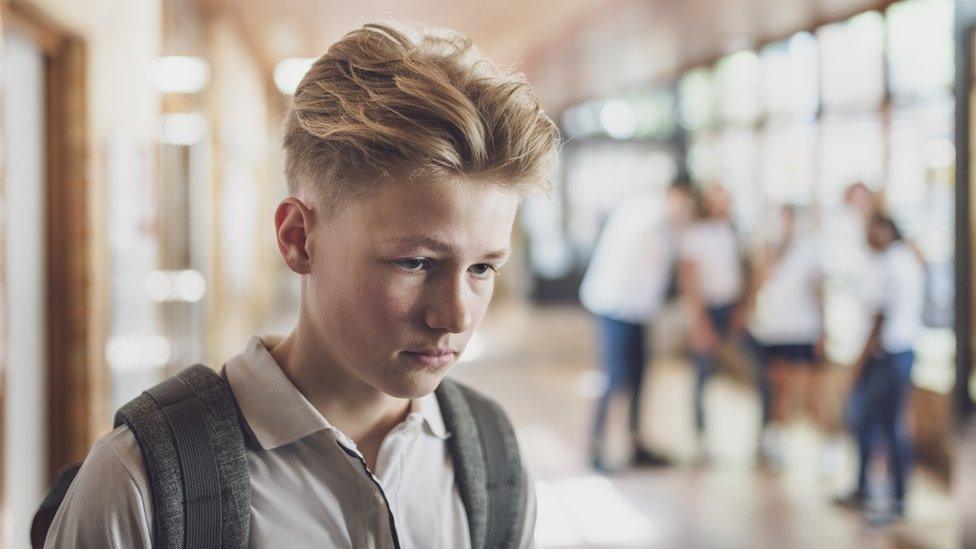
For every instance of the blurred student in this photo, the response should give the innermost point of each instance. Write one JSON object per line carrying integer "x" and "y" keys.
{"x": 786, "y": 326}
{"x": 883, "y": 372}
{"x": 624, "y": 287}
{"x": 711, "y": 282}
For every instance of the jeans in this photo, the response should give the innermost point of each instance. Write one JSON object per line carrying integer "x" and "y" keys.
{"x": 622, "y": 351}
{"x": 877, "y": 407}
{"x": 721, "y": 320}
{"x": 764, "y": 386}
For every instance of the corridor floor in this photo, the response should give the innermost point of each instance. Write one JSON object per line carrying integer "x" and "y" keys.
{"x": 538, "y": 362}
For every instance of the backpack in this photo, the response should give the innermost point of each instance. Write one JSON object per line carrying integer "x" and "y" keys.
{"x": 194, "y": 441}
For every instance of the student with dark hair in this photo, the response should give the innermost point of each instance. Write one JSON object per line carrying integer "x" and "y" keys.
{"x": 883, "y": 372}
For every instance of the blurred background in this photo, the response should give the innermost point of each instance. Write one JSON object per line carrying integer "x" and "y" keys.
{"x": 142, "y": 164}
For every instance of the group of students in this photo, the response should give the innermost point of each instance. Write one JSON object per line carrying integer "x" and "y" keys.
{"x": 770, "y": 299}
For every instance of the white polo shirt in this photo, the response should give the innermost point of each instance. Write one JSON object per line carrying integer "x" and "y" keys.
{"x": 714, "y": 249}
{"x": 306, "y": 491}
{"x": 902, "y": 299}
{"x": 788, "y": 308}
{"x": 628, "y": 275}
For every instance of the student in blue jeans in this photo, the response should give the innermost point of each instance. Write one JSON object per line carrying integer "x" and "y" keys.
{"x": 883, "y": 377}
{"x": 625, "y": 287}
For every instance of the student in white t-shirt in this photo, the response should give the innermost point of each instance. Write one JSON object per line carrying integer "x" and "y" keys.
{"x": 624, "y": 288}
{"x": 786, "y": 325}
{"x": 883, "y": 372}
{"x": 711, "y": 281}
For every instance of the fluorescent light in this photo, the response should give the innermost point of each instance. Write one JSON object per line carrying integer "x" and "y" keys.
{"x": 189, "y": 285}
{"x": 618, "y": 119}
{"x": 288, "y": 73}
{"x": 165, "y": 286}
{"x": 180, "y": 74}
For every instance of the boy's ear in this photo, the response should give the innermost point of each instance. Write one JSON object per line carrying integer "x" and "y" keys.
{"x": 293, "y": 224}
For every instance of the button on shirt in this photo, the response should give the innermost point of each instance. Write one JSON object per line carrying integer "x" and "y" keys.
{"x": 309, "y": 484}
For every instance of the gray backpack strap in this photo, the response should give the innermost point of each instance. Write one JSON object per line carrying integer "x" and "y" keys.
{"x": 487, "y": 466}
{"x": 191, "y": 440}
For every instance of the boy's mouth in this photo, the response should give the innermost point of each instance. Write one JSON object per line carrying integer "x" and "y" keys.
{"x": 432, "y": 356}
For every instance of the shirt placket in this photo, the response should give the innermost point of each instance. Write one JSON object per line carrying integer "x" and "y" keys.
{"x": 390, "y": 449}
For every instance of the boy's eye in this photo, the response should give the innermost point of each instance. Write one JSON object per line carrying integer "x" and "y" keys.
{"x": 412, "y": 264}
{"x": 482, "y": 269}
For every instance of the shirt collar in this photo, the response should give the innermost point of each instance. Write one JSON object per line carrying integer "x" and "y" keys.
{"x": 429, "y": 411}
{"x": 278, "y": 413}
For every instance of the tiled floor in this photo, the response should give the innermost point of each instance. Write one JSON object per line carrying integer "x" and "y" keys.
{"x": 538, "y": 364}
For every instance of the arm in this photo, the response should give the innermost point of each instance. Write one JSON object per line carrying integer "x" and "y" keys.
{"x": 889, "y": 289}
{"x": 107, "y": 505}
{"x": 755, "y": 272}
{"x": 874, "y": 338}
{"x": 703, "y": 338}
{"x": 820, "y": 346}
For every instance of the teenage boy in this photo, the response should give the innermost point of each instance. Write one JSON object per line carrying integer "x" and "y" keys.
{"x": 406, "y": 157}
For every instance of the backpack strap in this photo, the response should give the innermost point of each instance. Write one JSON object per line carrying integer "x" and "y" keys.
{"x": 191, "y": 440}
{"x": 487, "y": 466}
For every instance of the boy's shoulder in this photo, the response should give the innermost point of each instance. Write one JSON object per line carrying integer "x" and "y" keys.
{"x": 116, "y": 460}
{"x": 109, "y": 499}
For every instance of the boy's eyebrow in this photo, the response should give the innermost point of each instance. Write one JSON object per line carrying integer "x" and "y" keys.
{"x": 440, "y": 246}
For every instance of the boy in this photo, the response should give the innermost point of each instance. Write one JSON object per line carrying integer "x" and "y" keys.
{"x": 406, "y": 158}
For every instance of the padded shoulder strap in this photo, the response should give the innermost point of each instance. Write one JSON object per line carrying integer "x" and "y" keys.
{"x": 190, "y": 436}
{"x": 487, "y": 466}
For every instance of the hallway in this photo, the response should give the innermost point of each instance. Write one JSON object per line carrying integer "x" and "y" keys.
{"x": 729, "y": 503}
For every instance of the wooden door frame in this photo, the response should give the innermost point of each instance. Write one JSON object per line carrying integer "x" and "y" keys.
{"x": 965, "y": 27}
{"x": 72, "y": 369}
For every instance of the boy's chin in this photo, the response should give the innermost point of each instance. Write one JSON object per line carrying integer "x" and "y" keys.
{"x": 413, "y": 387}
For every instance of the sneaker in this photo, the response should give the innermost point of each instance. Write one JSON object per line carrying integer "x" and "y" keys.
{"x": 855, "y": 501}
{"x": 884, "y": 517}
{"x": 771, "y": 450}
{"x": 648, "y": 458}
{"x": 598, "y": 465}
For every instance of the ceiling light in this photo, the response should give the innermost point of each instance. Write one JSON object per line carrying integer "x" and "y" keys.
{"x": 180, "y": 74}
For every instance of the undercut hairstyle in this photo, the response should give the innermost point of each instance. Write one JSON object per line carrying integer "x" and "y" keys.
{"x": 387, "y": 103}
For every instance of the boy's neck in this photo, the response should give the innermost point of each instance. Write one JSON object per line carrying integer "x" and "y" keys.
{"x": 362, "y": 412}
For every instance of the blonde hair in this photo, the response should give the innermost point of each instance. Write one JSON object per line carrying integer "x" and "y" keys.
{"x": 382, "y": 105}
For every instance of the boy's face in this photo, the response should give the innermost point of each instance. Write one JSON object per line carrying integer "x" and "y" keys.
{"x": 400, "y": 280}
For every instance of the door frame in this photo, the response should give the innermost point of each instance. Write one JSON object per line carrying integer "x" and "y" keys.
{"x": 965, "y": 25}
{"x": 73, "y": 382}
